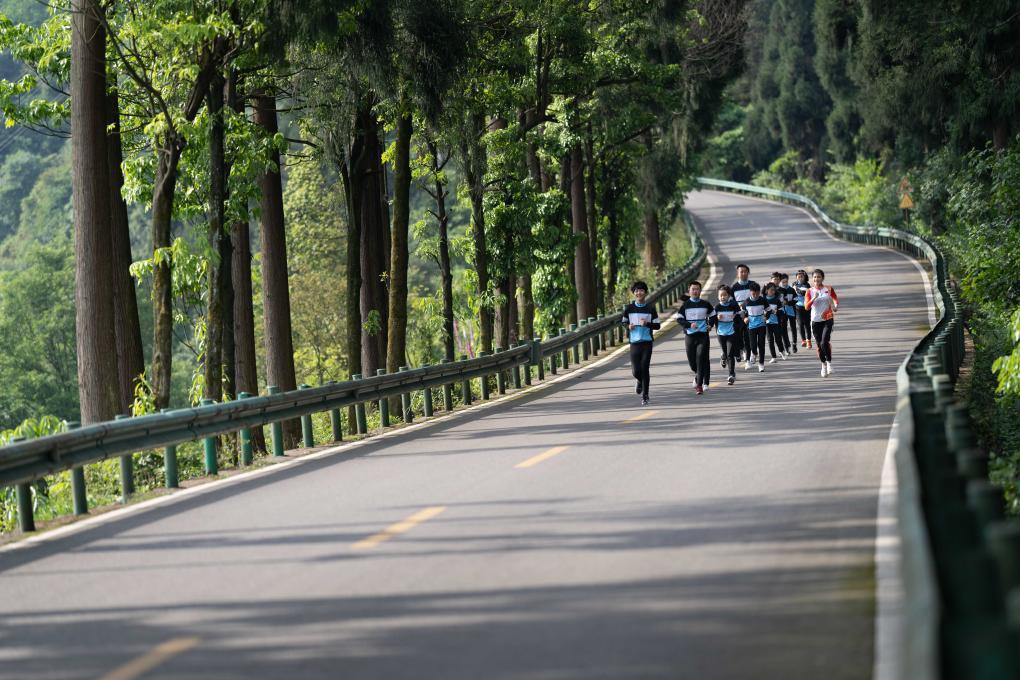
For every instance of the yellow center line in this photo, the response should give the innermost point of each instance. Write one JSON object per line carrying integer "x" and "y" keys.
{"x": 643, "y": 416}
{"x": 155, "y": 657}
{"x": 399, "y": 528}
{"x": 535, "y": 460}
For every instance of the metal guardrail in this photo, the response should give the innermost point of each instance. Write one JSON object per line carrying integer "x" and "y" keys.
{"x": 25, "y": 461}
{"x": 960, "y": 560}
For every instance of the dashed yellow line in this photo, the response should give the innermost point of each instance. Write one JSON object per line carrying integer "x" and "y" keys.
{"x": 643, "y": 416}
{"x": 546, "y": 455}
{"x": 152, "y": 659}
{"x": 399, "y": 528}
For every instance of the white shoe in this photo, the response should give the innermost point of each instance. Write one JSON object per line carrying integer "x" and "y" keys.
{"x": 694, "y": 382}
{"x": 828, "y": 368}
{"x": 761, "y": 368}
{"x": 783, "y": 355}
{"x": 772, "y": 360}
{"x": 823, "y": 371}
{"x": 705, "y": 386}
{"x": 747, "y": 365}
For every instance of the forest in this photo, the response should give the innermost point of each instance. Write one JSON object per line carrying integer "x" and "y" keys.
{"x": 274, "y": 192}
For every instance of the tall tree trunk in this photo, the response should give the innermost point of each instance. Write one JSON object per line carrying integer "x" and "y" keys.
{"x": 246, "y": 377}
{"x": 246, "y": 370}
{"x": 593, "y": 222}
{"x": 367, "y": 176}
{"x": 445, "y": 267}
{"x": 130, "y": 355}
{"x": 582, "y": 251}
{"x": 275, "y": 290}
{"x": 474, "y": 156}
{"x": 98, "y": 380}
{"x": 614, "y": 243}
{"x": 352, "y": 295}
{"x": 213, "y": 368}
{"x": 396, "y": 351}
{"x": 653, "y": 254}
{"x": 164, "y": 187}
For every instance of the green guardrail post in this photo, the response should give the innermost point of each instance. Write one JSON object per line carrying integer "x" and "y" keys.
{"x": 1004, "y": 543}
{"x": 500, "y": 376}
{"x": 585, "y": 345}
{"x": 427, "y": 406}
{"x": 209, "y": 445}
{"x": 170, "y": 462}
{"x": 384, "y": 405}
{"x": 359, "y": 411}
{"x": 336, "y": 423}
{"x": 576, "y": 348}
{"x": 537, "y": 358}
{"x": 405, "y": 400}
{"x": 79, "y": 495}
{"x": 597, "y": 339}
{"x": 447, "y": 392}
{"x": 566, "y": 352}
{"x": 527, "y": 368}
{"x": 247, "y": 452}
{"x": 127, "y": 470}
{"x": 276, "y": 428}
{"x": 515, "y": 373}
{"x": 485, "y": 380}
{"x": 307, "y": 433}
{"x": 26, "y": 513}
{"x": 465, "y": 386}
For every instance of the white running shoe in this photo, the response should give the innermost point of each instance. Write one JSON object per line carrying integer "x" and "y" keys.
{"x": 694, "y": 382}
{"x": 761, "y": 368}
{"x": 705, "y": 386}
{"x": 828, "y": 368}
{"x": 823, "y": 371}
{"x": 783, "y": 355}
{"x": 772, "y": 360}
{"x": 747, "y": 365}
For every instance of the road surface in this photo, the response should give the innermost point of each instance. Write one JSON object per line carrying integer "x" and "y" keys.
{"x": 570, "y": 534}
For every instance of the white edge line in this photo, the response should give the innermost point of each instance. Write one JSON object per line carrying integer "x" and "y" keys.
{"x": 207, "y": 487}
{"x": 888, "y": 557}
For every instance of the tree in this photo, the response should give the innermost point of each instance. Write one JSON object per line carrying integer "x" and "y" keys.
{"x": 94, "y": 309}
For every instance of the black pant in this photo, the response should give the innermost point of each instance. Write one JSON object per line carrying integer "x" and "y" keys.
{"x": 773, "y": 332}
{"x": 744, "y": 333}
{"x": 804, "y": 323}
{"x": 640, "y": 361}
{"x": 698, "y": 356}
{"x": 786, "y": 324}
{"x": 757, "y": 346}
{"x": 731, "y": 350}
{"x": 823, "y": 339}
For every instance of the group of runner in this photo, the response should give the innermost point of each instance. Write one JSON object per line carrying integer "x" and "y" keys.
{"x": 746, "y": 317}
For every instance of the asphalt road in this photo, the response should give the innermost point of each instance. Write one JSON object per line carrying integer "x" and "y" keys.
{"x": 573, "y": 534}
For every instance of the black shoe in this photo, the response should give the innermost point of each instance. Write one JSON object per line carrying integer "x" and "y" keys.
{"x": 722, "y": 360}
{"x": 731, "y": 380}
{"x": 644, "y": 401}
{"x": 638, "y": 389}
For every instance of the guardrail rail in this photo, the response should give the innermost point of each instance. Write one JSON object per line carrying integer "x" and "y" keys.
{"x": 24, "y": 461}
{"x": 960, "y": 558}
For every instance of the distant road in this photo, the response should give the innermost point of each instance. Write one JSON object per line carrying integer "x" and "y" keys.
{"x": 569, "y": 534}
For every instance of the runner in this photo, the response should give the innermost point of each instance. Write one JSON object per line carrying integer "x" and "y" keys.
{"x": 728, "y": 325}
{"x": 773, "y": 311}
{"x": 782, "y": 342}
{"x": 741, "y": 290}
{"x": 822, "y": 302}
{"x": 641, "y": 319}
{"x": 801, "y": 286}
{"x": 695, "y": 316}
{"x": 754, "y": 309}
{"x": 788, "y": 319}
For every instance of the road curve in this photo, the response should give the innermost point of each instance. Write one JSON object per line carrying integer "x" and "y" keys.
{"x": 571, "y": 534}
